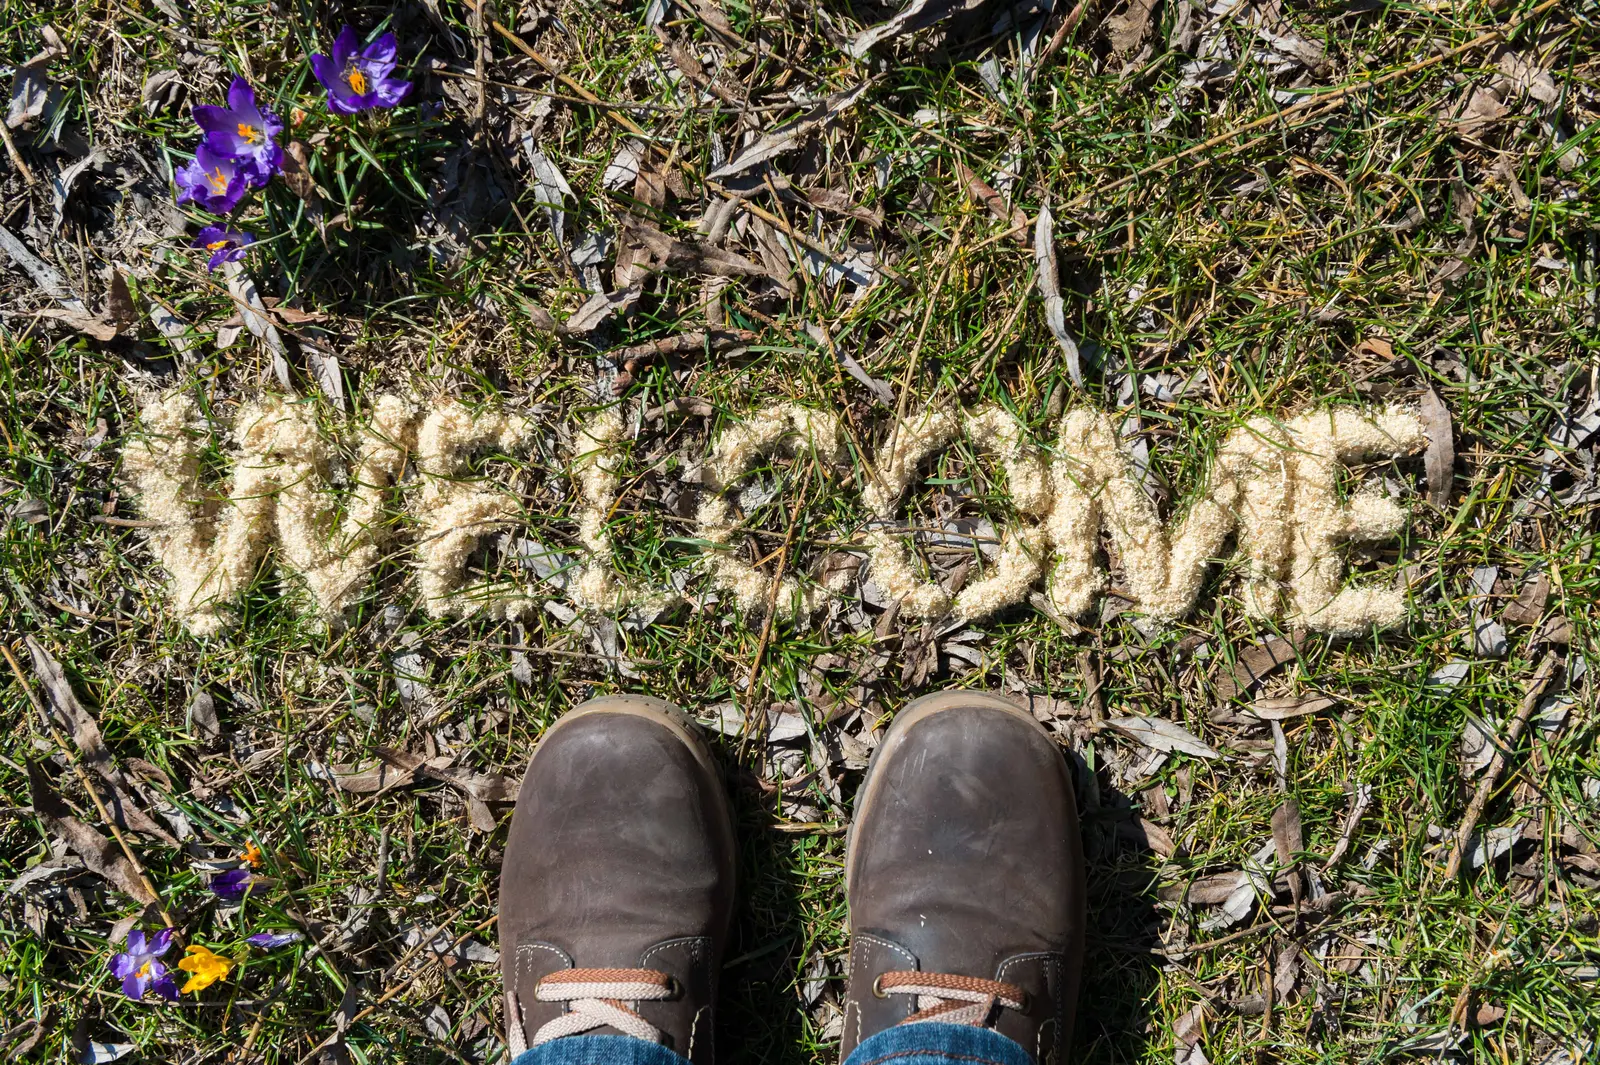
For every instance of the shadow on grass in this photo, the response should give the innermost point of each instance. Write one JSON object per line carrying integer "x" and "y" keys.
{"x": 1121, "y": 966}
{"x": 761, "y": 1019}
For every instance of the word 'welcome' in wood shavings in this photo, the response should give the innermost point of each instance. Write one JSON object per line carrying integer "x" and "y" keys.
{"x": 1271, "y": 488}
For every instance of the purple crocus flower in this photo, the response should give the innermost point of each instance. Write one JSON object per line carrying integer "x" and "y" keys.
{"x": 214, "y": 181}
{"x": 270, "y": 940}
{"x": 139, "y": 967}
{"x": 243, "y": 130}
{"x": 232, "y": 885}
{"x": 225, "y": 245}
{"x": 359, "y": 78}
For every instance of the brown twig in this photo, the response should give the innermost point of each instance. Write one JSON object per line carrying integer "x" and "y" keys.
{"x": 1094, "y": 697}
{"x": 1502, "y": 755}
{"x": 1059, "y": 38}
{"x": 83, "y": 778}
{"x": 16, "y": 156}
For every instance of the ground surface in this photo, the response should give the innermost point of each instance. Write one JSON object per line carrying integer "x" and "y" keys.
{"x": 1434, "y": 228}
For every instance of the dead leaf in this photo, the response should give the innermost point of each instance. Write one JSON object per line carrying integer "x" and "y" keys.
{"x": 100, "y": 855}
{"x": 297, "y": 173}
{"x": 1526, "y": 76}
{"x": 979, "y": 192}
{"x": 1480, "y": 107}
{"x": 247, "y": 300}
{"x": 161, "y": 90}
{"x": 694, "y": 256}
{"x": 23, "y": 1039}
{"x": 1440, "y": 459}
{"x": 1488, "y": 635}
{"x": 1376, "y": 346}
{"x": 119, "y": 313}
{"x": 32, "y": 96}
{"x": 1290, "y": 707}
{"x": 1288, "y": 837}
{"x": 1255, "y": 665}
{"x": 325, "y": 368}
{"x": 682, "y": 406}
{"x": 443, "y": 944}
{"x": 1145, "y": 833}
{"x": 916, "y": 15}
{"x": 1049, "y": 285}
{"x": 61, "y": 185}
{"x": 394, "y": 769}
{"x": 600, "y": 308}
{"x": 119, "y": 301}
{"x": 551, "y": 190}
{"x": 88, "y": 324}
{"x": 1210, "y": 890}
{"x": 1286, "y": 971}
{"x": 880, "y": 390}
{"x": 1162, "y": 735}
{"x": 841, "y": 204}
{"x": 1477, "y": 746}
{"x": 70, "y": 716}
{"x": 1528, "y": 607}
{"x": 1127, "y": 27}
{"x": 790, "y": 135}
{"x": 49, "y": 280}
{"x": 203, "y": 720}
{"x": 624, "y": 167}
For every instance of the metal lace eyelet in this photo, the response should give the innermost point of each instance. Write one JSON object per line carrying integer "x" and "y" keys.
{"x": 674, "y": 989}
{"x": 877, "y": 987}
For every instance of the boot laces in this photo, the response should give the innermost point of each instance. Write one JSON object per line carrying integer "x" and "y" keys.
{"x": 594, "y": 998}
{"x": 952, "y": 999}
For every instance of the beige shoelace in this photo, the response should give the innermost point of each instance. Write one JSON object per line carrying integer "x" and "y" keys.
{"x": 951, "y": 999}
{"x": 594, "y": 998}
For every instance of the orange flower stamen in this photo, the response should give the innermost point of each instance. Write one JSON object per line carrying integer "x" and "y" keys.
{"x": 357, "y": 80}
{"x": 248, "y": 133}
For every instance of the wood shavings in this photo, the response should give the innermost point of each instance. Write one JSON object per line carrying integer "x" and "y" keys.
{"x": 786, "y": 429}
{"x": 1271, "y": 488}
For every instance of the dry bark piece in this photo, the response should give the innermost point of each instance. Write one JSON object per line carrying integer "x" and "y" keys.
{"x": 100, "y": 855}
{"x": 1440, "y": 458}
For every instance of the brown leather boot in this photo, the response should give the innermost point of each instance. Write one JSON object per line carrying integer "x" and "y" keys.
{"x": 617, "y": 885}
{"x": 964, "y": 877}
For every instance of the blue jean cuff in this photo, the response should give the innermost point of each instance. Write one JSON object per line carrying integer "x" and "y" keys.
{"x": 599, "y": 1050}
{"x": 932, "y": 1043}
